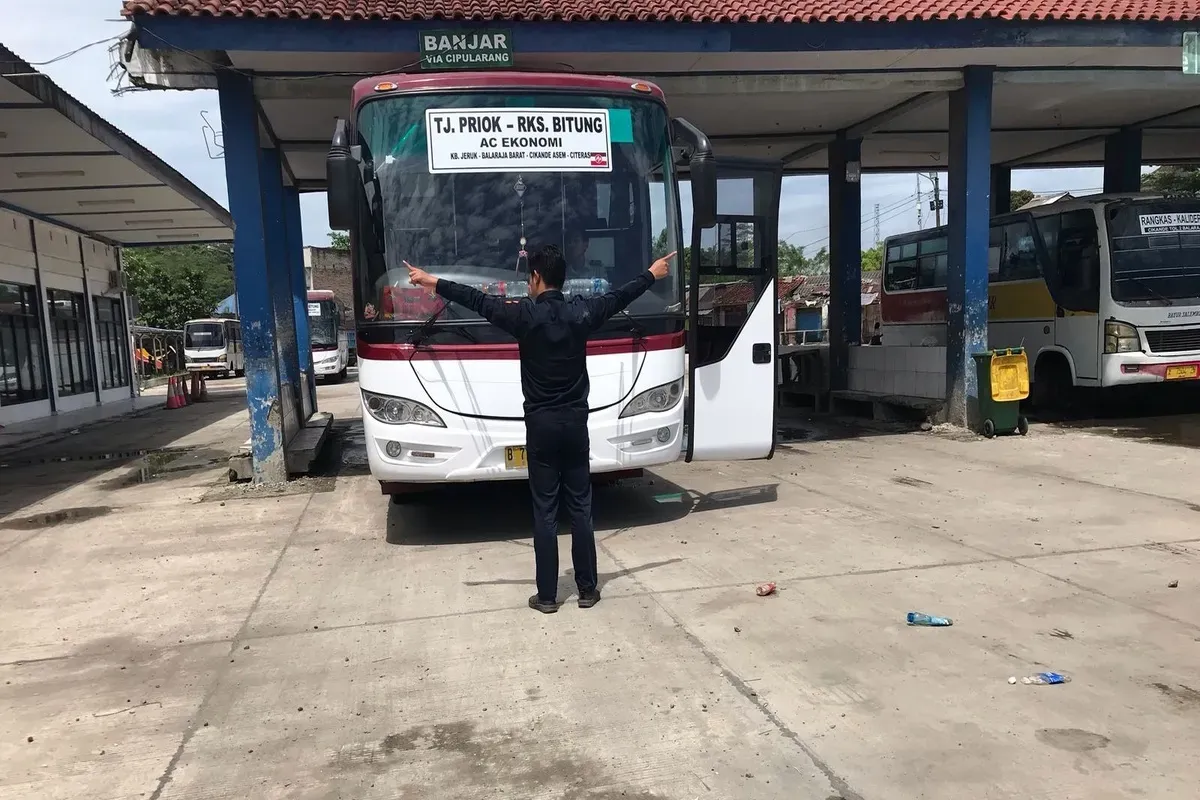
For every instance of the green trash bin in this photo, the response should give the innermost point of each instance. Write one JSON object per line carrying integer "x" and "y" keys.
{"x": 1003, "y": 377}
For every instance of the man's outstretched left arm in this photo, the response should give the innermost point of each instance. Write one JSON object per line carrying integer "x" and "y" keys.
{"x": 496, "y": 310}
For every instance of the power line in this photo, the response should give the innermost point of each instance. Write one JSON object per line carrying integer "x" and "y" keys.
{"x": 904, "y": 202}
{"x": 58, "y": 58}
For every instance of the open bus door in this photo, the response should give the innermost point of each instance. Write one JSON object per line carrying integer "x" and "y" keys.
{"x": 732, "y": 317}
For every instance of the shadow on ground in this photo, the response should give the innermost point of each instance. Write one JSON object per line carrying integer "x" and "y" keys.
{"x": 30, "y": 474}
{"x": 1163, "y": 415}
{"x": 499, "y": 511}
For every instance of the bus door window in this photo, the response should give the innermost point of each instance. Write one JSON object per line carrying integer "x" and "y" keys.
{"x": 1073, "y": 251}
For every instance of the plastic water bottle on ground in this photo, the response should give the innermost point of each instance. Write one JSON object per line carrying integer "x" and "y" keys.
{"x": 928, "y": 620}
{"x": 1046, "y": 679}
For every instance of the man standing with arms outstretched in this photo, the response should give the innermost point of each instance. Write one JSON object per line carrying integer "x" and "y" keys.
{"x": 552, "y": 331}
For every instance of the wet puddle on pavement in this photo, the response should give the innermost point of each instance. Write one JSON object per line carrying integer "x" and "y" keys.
{"x": 49, "y": 519}
{"x": 166, "y": 464}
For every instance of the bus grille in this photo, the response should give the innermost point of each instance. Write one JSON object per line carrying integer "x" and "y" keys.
{"x": 1177, "y": 341}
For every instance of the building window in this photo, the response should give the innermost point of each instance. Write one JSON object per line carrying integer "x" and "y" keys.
{"x": 113, "y": 343}
{"x": 72, "y": 344}
{"x": 22, "y": 362}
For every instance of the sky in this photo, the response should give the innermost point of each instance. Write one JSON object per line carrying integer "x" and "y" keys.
{"x": 169, "y": 123}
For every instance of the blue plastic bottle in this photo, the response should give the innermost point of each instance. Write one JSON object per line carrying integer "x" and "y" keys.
{"x": 917, "y": 618}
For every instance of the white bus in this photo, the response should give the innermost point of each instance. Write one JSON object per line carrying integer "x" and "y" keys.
{"x": 441, "y": 387}
{"x": 328, "y": 335}
{"x": 214, "y": 346}
{"x": 1103, "y": 291}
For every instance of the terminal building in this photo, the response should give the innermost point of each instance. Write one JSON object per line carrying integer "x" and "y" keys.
{"x": 75, "y": 190}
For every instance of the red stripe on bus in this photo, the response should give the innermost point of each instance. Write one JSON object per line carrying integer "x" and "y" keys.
{"x": 509, "y": 351}
{"x": 922, "y": 306}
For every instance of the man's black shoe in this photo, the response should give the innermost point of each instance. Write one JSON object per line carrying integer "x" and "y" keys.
{"x": 544, "y": 606}
{"x": 589, "y": 599}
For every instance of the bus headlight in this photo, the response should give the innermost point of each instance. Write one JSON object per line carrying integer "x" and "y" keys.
{"x": 1120, "y": 337}
{"x": 660, "y": 398}
{"x": 399, "y": 411}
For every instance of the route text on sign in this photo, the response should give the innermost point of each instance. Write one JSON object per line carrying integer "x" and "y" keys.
{"x": 505, "y": 140}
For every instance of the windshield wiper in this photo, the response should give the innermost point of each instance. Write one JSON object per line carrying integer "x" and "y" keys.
{"x": 1151, "y": 290}
{"x": 636, "y": 328}
{"x": 426, "y": 327}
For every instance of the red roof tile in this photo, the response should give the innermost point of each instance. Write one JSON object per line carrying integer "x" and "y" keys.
{"x": 677, "y": 10}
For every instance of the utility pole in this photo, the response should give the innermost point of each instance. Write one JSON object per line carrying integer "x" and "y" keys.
{"x": 920, "y": 210}
{"x": 877, "y": 223}
{"x": 937, "y": 199}
{"x": 935, "y": 205}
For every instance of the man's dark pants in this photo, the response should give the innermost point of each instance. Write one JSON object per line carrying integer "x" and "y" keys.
{"x": 556, "y": 443}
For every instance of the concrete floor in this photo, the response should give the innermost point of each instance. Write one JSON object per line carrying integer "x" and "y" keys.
{"x": 164, "y": 636}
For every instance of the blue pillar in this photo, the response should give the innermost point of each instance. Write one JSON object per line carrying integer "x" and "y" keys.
{"x": 1001, "y": 190}
{"x": 969, "y": 216}
{"x": 1123, "y": 161}
{"x": 295, "y": 256}
{"x": 279, "y": 272}
{"x": 845, "y": 257}
{"x": 255, "y": 300}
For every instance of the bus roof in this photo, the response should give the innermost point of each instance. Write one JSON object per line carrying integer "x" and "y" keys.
{"x": 517, "y": 81}
{"x": 1069, "y": 203}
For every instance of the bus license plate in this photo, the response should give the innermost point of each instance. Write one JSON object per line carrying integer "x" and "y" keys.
{"x": 1184, "y": 372}
{"x": 514, "y": 458}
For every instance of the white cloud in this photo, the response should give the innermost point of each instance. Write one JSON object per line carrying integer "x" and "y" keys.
{"x": 169, "y": 124}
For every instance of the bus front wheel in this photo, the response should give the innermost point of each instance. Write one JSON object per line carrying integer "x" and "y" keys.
{"x": 1052, "y": 385}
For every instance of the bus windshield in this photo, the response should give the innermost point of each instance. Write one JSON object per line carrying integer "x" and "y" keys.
{"x": 1155, "y": 250}
{"x": 323, "y": 324}
{"x": 448, "y": 201}
{"x": 203, "y": 335}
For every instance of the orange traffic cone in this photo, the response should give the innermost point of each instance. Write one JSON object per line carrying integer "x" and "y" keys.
{"x": 183, "y": 393}
{"x": 203, "y": 388}
{"x": 172, "y": 395}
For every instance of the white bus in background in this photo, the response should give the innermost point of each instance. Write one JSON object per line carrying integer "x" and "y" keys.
{"x": 329, "y": 335}
{"x": 214, "y": 346}
{"x": 1102, "y": 291}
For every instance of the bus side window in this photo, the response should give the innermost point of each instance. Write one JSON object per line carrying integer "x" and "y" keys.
{"x": 901, "y": 268}
{"x": 931, "y": 266}
{"x": 995, "y": 252}
{"x": 1020, "y": 261}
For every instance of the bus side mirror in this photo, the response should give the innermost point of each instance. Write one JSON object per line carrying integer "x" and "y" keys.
{"x": 702, "y": 168}
{"x": 342, "y": 178}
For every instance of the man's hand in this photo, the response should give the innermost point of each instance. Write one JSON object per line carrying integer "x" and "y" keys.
{"x": 419, "y": 277}
{"x": 661, "y": 267}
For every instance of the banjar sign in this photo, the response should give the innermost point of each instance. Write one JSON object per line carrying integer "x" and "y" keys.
{"x": 466, "y": 49}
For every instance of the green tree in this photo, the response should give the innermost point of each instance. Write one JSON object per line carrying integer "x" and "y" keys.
{"x": 872, "y": 258}
{"x": 1175, "y": 181}
{"x": 175, "y": 284}
{"x": 1018, "y": 198}
{"x": 340, "y": 240}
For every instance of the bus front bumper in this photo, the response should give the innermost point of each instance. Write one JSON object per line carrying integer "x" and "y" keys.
{"x": 471, "y": 450}
{"x": 1127, "y": 369}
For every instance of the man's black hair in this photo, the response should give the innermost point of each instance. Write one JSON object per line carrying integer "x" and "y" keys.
{"x": 550, "y": 264}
